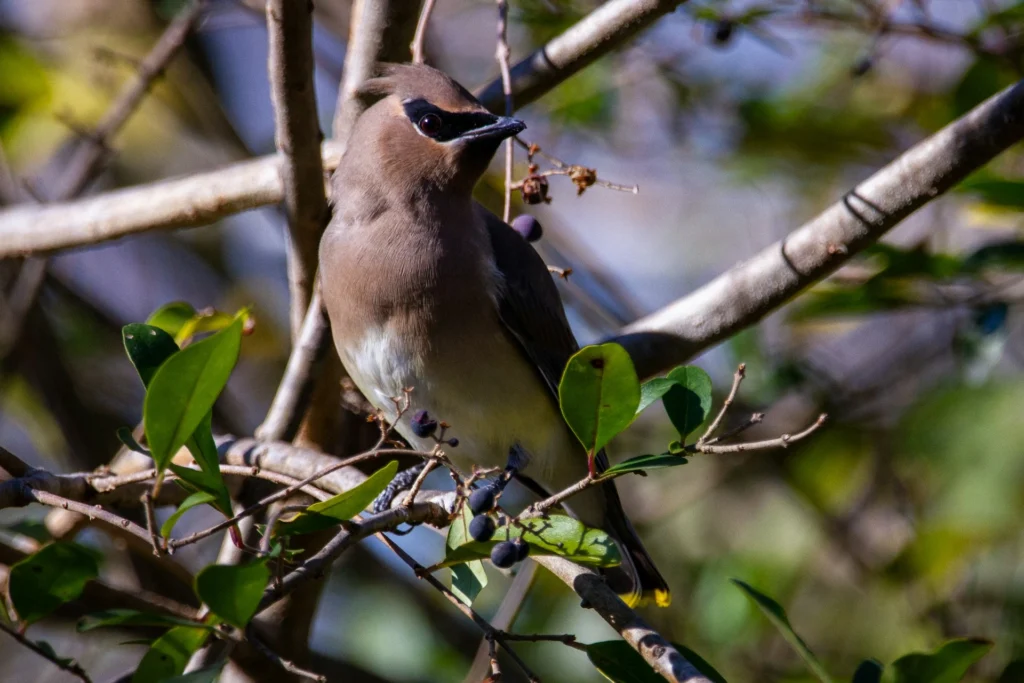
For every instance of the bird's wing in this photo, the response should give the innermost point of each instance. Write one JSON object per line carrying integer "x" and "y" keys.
{"x": 528, "y": 303}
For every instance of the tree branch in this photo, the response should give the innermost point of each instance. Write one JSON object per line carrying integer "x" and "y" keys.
{"x": 297, "y": 136}
{"x": 744, "y": 295}
{"x": 72, "y": 667}
{"x": 603, "y": 30}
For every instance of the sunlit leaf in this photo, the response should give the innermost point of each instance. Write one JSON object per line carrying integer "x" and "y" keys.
{"x": 48, "y": 578}
{"x": 197, "y": 498}
{"x": 652, "y": 390}
{"x": 169, "y": 654}
{"x": 689, "y": 401}
{"x": 777, "y": 616}
{"x": 468, "y": 579}
{"x": 233, "y": 592}
{"x": 342, "y": 507}
{"x": 599, "y": 394}
{"x": 948, "y": 664}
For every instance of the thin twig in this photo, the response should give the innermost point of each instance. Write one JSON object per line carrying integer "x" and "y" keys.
{"x": 154, "y": 534}
{"x": 421, "y": 32}
{"x": 72, "y": 667}
{"x": 755, "y": 418}
{"x": 91, "y": 511}
{"x": 285, "y": 664}
{"x": 737, "y": 379}
{"x": 565, "y": 639}
{"x": 418, "y": 484}
{"x": 779, "y": 442}
{"x": 502, "y": 54}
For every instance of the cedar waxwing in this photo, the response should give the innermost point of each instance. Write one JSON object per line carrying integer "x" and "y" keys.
{"x": 426, "y": 289}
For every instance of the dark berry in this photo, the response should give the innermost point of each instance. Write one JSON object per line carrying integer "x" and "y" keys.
{"x": 453, "y": 442}
{"x": 481, "y": 528}
{"x": 422, "y": 424}
{"x": 482, "y": 500}
{"x": 528, "y": 226}
{"x": 522, "y": 549}
{"x": 723, "y": 31}
{"x": 504, "y": 555}
{"x": 861, "y": 66}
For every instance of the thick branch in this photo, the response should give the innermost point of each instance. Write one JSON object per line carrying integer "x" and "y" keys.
{"x": 603, "y": 30}
{"x": 297, "y": 135}
{"x": 748, "y": 292}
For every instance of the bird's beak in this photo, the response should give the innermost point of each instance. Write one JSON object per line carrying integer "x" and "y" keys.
{"x": 502, "y": 127}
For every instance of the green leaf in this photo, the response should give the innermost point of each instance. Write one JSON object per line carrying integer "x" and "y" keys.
{"x": 48, "y": 649}
{"x": 777, "y": 616}
{"x": 172, "y": 317}
{"x": 342, "y": 507}
{"x": 652, "y": 390}
{"x": 148, "y": 348}
{"x": 125, "y": 436}
{"x": 619, "y": 662}
{"x": 48, "y": 578}
{"x": 233, "y": 592}
{"x": 131, "y": 617}
{"x": 599, "y": 394}
{"x": 197, "y": 498}
{"x": 183, "y": 390}
{"x": 468, "y": 579}
{"x": 689, "y": 402}
{"x": 948, "y": 664}
{"x": 642, "y": 463}
{"x": 869, "y": 671}
{"x": 555, "y": 535}
{"x": 169, "y": 654}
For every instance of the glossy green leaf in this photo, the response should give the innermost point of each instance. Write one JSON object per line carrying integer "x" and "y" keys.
{"x": 172, "y": 317}
{"x": 148, "y": 348}
{"x": 619, "y": 662}
{"x": 948, "y": 664}
{"x": 48, "y": 578}
{"x": 468, "y": 579}
{"x": 342, "y": 507}
{"x": 599, "y": 394}
{"x": 169, "y": 654}
{"x": 689, "y": 402}
{"x": 555, "y": 535}
{"x": 869, "y": 671}
{"x": 125, "y": 436}
{"x": 642, "y": 463}
{"x": 197, "y": 498}
{"x": 777, "y": 616}
{"x": 183, "y": 390}
{"x": 652, "y": 390}
{"x": 131, "y": 618}
{"x": 233, "y": 592}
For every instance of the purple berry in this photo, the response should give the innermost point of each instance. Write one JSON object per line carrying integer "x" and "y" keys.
{"x": 453, "y": 442}
{"x": 423, "y": 425}
{"x": 504, "y": 555}
{"x": 481, "y": 528}
{"x": 522, "y": 549}
{"x": 528, "y": 226}
{"x": 482, "y": 500}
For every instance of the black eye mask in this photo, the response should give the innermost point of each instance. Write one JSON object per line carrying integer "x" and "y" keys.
{"x": 453, "y": 124}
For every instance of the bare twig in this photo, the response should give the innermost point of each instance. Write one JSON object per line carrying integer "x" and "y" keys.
{"x": 297, "y": 135}
{"x": 505, "y": 616}
{"x": 72, "y": 667}
{"x": 779, "y": 442}
{"x": 421, "y": 32}
{"x": 737, "y": 379}
{"x": 154, "y": 533}
{"x": 745, "y": 294}
{"x": 606, "y": 28}
{"x": 90, "y": 511}
{"x": 755, "y": 418}
{"x": 502, "y": 54}
{"x": 296, "y": 387}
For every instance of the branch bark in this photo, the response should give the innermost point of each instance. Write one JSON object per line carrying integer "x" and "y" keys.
{"x": 297, "y": 135}
{"x": 748, "y": 292}
{"x": 603, "y": 30}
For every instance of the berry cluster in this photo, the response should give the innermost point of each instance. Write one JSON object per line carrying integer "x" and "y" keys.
{"x": 483, "y": 526}
{"x": 425, "y": 427}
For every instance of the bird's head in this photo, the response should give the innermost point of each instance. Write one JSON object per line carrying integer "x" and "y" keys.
{"x": 427, "y": 129}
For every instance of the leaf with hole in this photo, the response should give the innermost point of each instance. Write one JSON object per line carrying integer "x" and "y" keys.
{"x": 642, "y": 463}
{"x": 777, "y": 616}
{"x": 948, "y": 664}
{"x": 48, "y": 578}
{"x": 183, "y": 390}
{"x": 617, "y": 661}
{"x": 233, "y": 592}
{"x": 599, "y": 394}
{"x": 342, "y": 507}
{"x": 688, "y": 403}
{"x": 554, "y": 535}
{"x": 169, "y": 654}
{"x": 131, "y": 618}
{"x": 148, "y": 348}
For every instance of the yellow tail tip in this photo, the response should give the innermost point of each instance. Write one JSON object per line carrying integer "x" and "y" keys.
{"x": 661, "y": 597}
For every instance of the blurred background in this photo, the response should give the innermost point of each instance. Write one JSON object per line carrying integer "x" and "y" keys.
{"x": 894, "y": 528}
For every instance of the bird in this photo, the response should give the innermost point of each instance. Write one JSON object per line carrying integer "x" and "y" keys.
{"x": 424, "y": 288}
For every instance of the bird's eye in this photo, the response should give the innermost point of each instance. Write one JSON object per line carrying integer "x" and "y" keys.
{"x": 430, "y": 124}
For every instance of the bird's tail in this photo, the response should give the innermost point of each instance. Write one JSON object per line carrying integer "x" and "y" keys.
{"x": 644, "y": 583}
